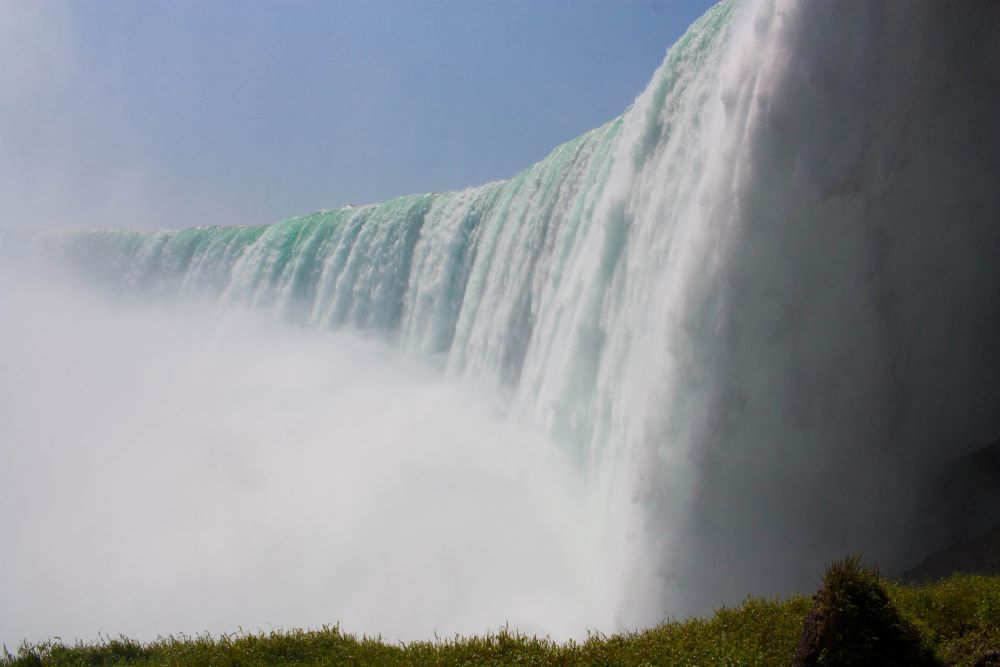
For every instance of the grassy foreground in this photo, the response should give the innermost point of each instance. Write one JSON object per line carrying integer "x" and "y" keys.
{"x": 959, "y": 617}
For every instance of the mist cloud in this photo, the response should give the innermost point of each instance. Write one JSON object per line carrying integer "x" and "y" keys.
{"x": 171, "y": 470}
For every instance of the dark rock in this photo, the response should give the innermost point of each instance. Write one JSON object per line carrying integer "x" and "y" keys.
{"x": 977, "y": 556}
{"x": 968, "y": 494}
{"x": 959, "y": 525}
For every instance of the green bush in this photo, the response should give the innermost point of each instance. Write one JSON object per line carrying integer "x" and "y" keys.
{"x": 854, "y": 622}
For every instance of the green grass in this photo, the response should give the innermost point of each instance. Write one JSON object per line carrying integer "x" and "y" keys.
{"x": 958, "y": 617}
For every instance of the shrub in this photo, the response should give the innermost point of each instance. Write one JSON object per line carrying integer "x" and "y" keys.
{"x": 853, "y": 622}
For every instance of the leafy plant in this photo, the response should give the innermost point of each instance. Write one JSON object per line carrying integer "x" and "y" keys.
{"x": 854, "y": 622}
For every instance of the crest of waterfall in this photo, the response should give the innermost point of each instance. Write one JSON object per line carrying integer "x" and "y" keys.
{"x": 758, "y": 305}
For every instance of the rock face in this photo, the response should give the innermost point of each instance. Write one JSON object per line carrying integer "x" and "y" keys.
{"x": 853, "y": 622}
{"x": 967, "y": 496}
{"x": 961, "y": 519}
{"x": 976, "y": 556}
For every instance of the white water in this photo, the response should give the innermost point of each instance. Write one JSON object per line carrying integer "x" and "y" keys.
{"x": 183, "y": 471}
{"x": 749, "y": 314}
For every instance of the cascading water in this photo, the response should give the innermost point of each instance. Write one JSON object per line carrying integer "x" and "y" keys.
{"x": 753, "y": 310}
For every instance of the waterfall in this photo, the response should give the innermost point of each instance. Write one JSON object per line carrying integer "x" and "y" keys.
{"x": 754, "y": 309}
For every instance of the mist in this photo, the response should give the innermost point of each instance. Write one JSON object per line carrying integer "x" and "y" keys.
{"x": 174, "y": 469}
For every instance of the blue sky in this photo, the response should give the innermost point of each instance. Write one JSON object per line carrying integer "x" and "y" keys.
{"x": 168, "y": 113}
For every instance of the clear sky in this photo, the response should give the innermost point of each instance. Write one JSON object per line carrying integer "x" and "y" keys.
{"x": 169, "y": 113}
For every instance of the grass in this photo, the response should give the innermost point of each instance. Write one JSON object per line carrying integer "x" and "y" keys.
{"x": 958, "y": 618}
